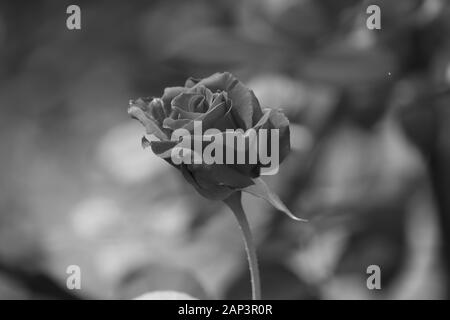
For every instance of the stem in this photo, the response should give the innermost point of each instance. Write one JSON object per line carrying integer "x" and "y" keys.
{"x": 235, "y": 204}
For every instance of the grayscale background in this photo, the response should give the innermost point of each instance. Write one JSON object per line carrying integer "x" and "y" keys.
{"x": 370, "y": 165}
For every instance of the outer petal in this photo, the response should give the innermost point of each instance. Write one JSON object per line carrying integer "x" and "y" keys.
{"x": 161, "y": 147}
{"x": 222, "y": 175}
{"x": 248, "y": 170}
{"x": 207, "y": 189}
{"x": 274, "y": 119}
{"x": 156, "y": 107}
{"x": 219, "y": 82}
{"x": 263, "y": 122}
{"x": 175, "y": 124}
{"x": 216, "y": 181}
{"x": 190, "y": 82}
{"x": 279, "y": 121}
{"x": 150, "y": 126}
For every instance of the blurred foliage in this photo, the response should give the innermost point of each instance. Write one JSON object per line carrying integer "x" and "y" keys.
{"x": 370, "y": 167}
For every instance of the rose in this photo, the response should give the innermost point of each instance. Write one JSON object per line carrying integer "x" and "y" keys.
{"x": 220, "y": 102}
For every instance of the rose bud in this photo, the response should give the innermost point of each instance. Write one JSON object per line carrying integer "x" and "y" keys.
{"x": 218, "y": 103}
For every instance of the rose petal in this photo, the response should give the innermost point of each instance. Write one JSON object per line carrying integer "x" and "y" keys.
{"x": 183, "y": 100}
{"x": 190, "y": 82}
{"x": 245, "y": 103}
{"x": 198, "y": 104}
{"x": 150, "y": 126}
{"x": 247, "y": 169}
{"x": 218, "y": 98}
{"x": 142, "y": 103}
{"x": 219, "y": 82}
{"x": 203, "y": 91}
{"x": 263, "y": 122}
{"x": 210, "y": 118}
{"x": 226, "y": 122}
{"x": 175, "y": 124}
{"x": 161, "y": 147}
{"x": 274, "y": 119}
{"x": 187, "y": 115}
{"x": 257, "y": 110}
{"x": 207, "y": 190}
{"x": 156, "y": 108}
{"x": 169, "y": 94}
{"x": 215, "y": 181}
{"x": 279, "y": 121}
{"x": 220, "y": 175}
{"x": 145, "y": 143}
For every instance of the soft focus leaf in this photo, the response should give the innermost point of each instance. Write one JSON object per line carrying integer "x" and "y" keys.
{"x": 343, "y": 65}
{"x": 212, "y": 46}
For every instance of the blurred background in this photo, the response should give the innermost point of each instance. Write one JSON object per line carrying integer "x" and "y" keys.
{"x": 370, "y": 166}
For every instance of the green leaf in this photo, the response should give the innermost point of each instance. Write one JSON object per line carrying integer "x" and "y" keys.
{"x": 261, "y": 190}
